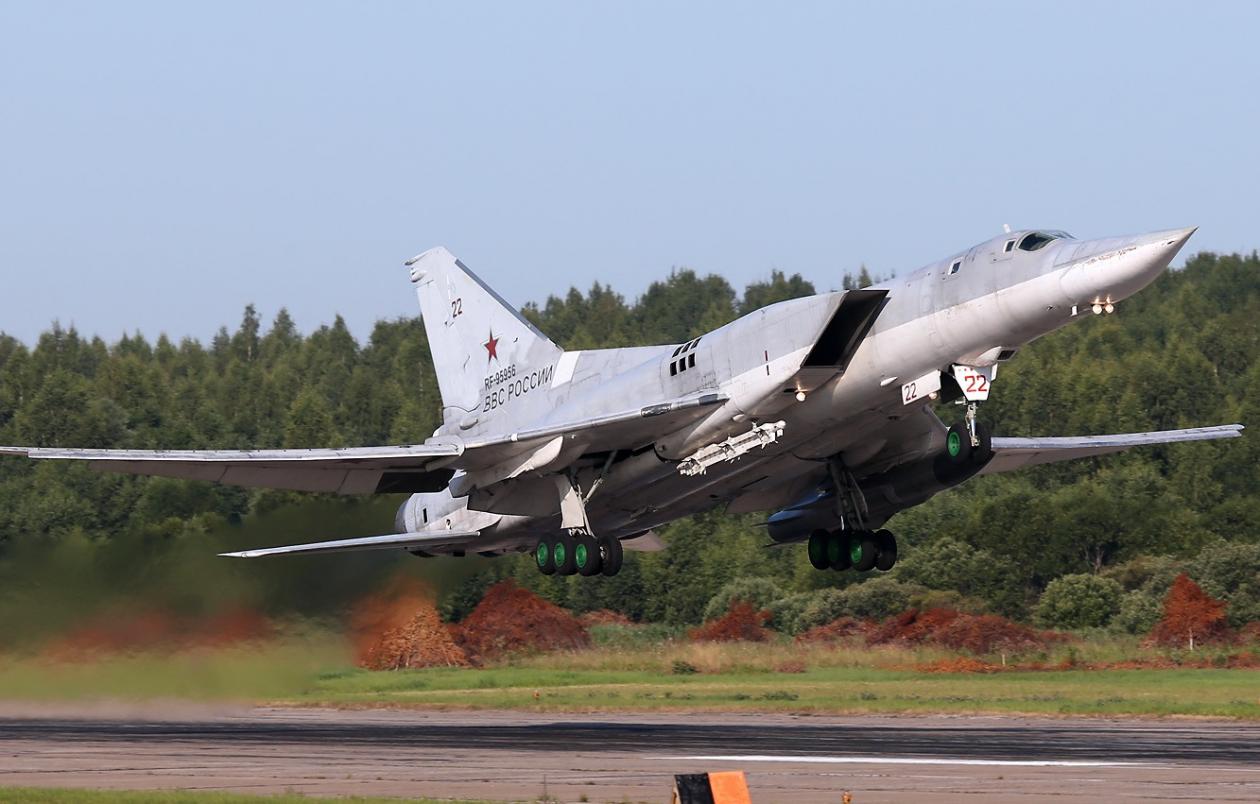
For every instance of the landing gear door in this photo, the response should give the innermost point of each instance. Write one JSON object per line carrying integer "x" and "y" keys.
{"x": 975, "y": 382}
{"x": 927, "y": 385}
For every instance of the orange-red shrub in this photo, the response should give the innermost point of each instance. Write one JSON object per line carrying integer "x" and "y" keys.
{"x": 510, "y": 619}
{"x": 741, "y": 623}
{"x": 1191, "y": 616}
{"x": 399, "y": 627}
{"x": 837, "y": 630}
{"x": 913, "y": 626}
{"x": 989, "y": 633}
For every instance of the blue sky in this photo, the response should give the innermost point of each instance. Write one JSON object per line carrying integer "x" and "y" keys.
{"x": 163, "y": 164}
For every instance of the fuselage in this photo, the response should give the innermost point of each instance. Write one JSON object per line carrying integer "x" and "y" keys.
{"x": 977, "y": 307}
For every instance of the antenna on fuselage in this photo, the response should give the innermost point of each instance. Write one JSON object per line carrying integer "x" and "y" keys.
{"x": 1006, "y": 227}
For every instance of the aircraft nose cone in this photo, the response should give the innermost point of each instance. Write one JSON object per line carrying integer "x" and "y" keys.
{"x": 1116, "y": 268}
{"x": 1171, "y": 240}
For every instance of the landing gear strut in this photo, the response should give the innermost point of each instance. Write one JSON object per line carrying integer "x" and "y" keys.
{"x": 575, "y": 550}
{"x": 968, "y": 440}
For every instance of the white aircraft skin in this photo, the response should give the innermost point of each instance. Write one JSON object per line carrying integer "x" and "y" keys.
{"x": 821, "y": 407}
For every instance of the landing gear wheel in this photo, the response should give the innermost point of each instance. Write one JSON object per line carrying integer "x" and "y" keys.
{"x": 818, "y": 549}
{"x": 586, "y": 556}
{"x": 886, "y": 545}
{"x": 838, "y": 550}
{"x": 610, "y": 551}
{"x": 984, "y": 450}
{"x": 562, "y": 549}
{"x": 957, "y": 443}
{"x": 863, "y": 551}
{"x": 543, "y": 558}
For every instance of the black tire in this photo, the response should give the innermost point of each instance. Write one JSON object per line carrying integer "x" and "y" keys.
{"x": 611, "y": 552}
{"x": 818, "y": 549}
{"x": 886, "y": 544}
{"x": 863, "y": 551}
{"x": 562, "y": 553}
{"x": 586, "y": 556}
{"x": 838, "y": 550}
{"x": 982, "y": 453}
{"x": 957, "y": 443}
{"x": 544, "y": 559}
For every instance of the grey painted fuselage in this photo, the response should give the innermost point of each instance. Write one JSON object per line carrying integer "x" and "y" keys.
{"x": 972, "y": 308}
{"x": 818, "y": 409}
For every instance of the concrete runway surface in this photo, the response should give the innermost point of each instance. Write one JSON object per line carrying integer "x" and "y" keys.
{"x": 626, "y": 757}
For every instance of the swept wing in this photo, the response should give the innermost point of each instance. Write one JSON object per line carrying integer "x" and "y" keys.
{"x": 368, "y": 470}
{"x": 1010, "y": 454}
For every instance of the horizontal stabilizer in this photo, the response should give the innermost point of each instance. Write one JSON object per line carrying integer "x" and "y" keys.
{"x": 390, "y": 541}
{"x": 1010, "y": 454}
{"x": 646, "y": 542}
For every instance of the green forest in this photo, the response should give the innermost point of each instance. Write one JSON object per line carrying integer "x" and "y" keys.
{"x": 1088, "y": 544}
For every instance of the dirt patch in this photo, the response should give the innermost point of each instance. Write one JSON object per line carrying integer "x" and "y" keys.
{"x": 131, "y": 630}
{"x": 510, "y": 619}
{"x": 989, "y": 633}
{"x": 912, "y": 627}
{"x": 604, "y": 617}
{"x": 959, "y": 664}
{"x": 979, "y": 634}
{"x": 975, "y": 633}
{"x": 399, "y": 628}
{"x": 742, "y": 622}
{"x": 1244, "y": 660}
{"x": 838, "y": 630}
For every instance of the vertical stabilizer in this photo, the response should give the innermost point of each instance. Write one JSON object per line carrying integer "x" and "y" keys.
{"x": 477, "y": 338}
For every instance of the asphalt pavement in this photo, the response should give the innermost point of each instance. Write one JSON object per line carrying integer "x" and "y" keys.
{"x": 521, "y": 756}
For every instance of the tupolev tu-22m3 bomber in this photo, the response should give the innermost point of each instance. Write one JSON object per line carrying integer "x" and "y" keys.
{"x": 819, "y": 410}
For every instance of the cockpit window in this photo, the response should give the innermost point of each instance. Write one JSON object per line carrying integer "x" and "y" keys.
{"x": 1037, "y": 240}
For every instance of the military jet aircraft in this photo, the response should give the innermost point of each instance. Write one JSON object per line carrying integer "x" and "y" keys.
{"x": 818, "y": 409}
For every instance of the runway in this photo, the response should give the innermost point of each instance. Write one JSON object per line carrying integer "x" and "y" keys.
{"x": 522, "y": 756}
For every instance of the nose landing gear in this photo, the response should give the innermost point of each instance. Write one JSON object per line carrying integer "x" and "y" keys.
{"x": 968, "y": 440}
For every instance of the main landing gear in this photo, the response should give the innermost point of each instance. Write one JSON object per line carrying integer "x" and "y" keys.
{"x": 862, "y": 550}
{"x": 575, "y": 550}
{"x": 578, "y": 553}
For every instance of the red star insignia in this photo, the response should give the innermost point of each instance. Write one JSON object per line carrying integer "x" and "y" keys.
{"x": 492, "y": 347}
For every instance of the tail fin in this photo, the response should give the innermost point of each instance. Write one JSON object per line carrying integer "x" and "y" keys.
{"x": 473, "y": 333}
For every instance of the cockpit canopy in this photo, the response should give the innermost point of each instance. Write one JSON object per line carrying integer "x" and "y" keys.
{"x": 1038, "y": 240}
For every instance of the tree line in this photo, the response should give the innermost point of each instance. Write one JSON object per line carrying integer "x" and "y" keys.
{"x": 1182, "y": 353}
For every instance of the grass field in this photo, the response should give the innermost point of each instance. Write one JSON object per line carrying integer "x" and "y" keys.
{"x": 668, "y": 675}
{"x": 62, "y": 795}
{"x": 832, "y": 690}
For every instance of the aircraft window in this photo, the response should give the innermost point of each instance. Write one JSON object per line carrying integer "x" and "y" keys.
{"x": 678, "y": 349}
{"x": 691, "y": 360}
{"x": 673, "y": 368}
{"x": 426, "y": 515}
{"x": 953, "y": 269}
{"x": 696, "y": 342}
{"x": 1036, "y": 240}
{"x": 1010, "y": 244}
{"x": 682, "y": 365}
